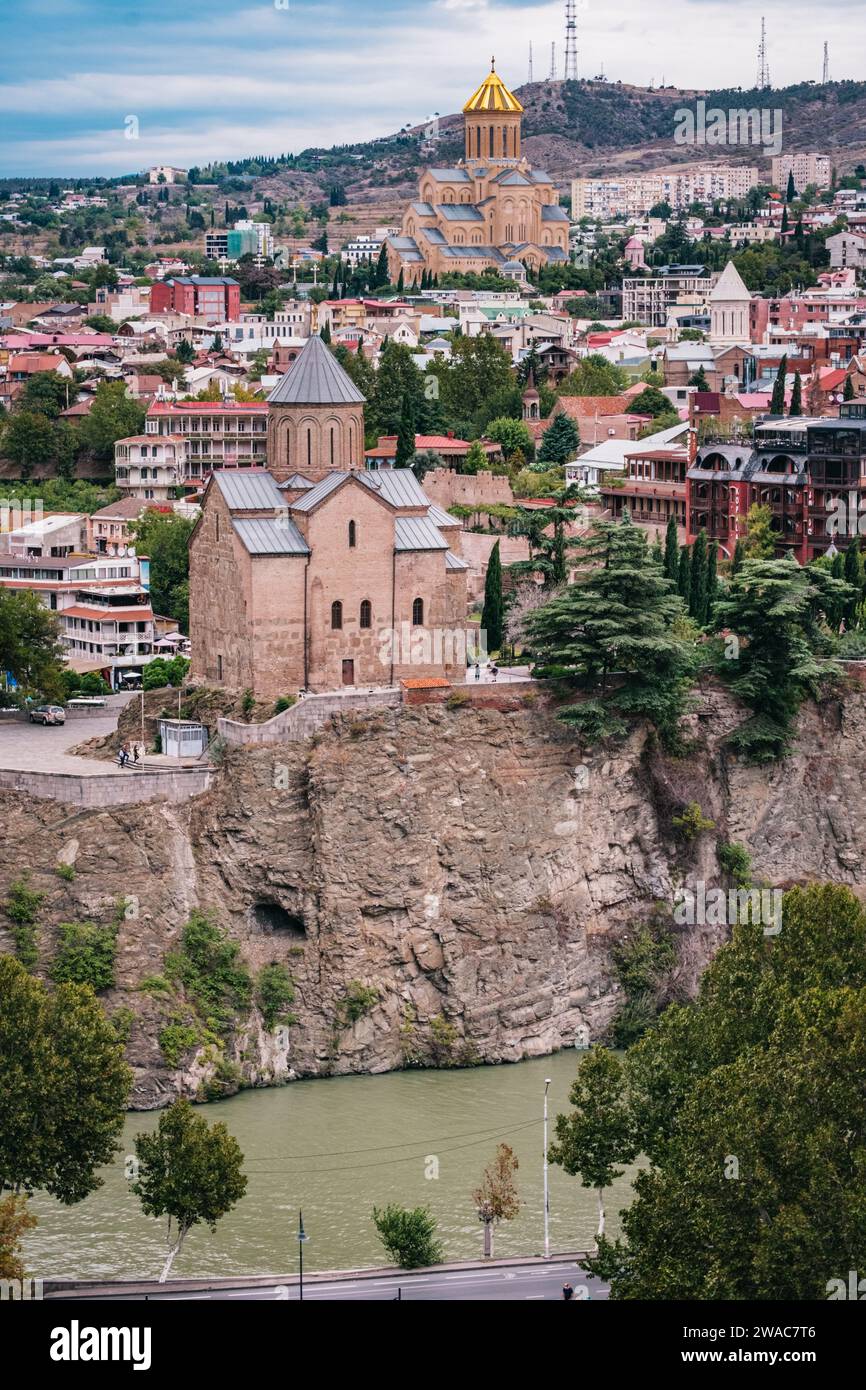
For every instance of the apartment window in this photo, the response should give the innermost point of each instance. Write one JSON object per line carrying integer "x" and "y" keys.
{"x": 418, "y": 613}
{"x": 337, "y": 615}
{"x": 366, "y": 613}
{"x": 353, "y": 535}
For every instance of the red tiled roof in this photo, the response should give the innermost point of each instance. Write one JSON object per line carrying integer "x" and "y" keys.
{"x": 207, "y": 407}
{"x": 425, "y": 683}
{"x": 140, "y": 614}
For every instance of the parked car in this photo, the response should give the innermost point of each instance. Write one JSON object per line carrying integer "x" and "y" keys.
{"x": 47, "y": 714}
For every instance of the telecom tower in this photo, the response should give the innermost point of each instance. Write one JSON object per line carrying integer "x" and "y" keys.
{"x": 826, "y": 77}
{"x": 763, "y": 66}
{"x": 552, "y": 77}
{"x": 531, "y": 78}
{"x": 570, "y": 40}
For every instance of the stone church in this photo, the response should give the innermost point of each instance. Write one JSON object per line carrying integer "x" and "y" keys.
{"x": 315, "y": 574}
{"x": 492, "y": 211}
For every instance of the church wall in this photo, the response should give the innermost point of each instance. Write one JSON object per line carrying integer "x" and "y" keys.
{"x": 220, "y": 589}
{"x": 276, "y": 620}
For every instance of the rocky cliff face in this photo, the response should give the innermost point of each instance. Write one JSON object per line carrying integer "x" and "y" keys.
{"x": 472, "y": 867}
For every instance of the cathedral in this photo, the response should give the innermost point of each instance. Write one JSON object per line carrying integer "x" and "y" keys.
{"x": 493, "y": 211}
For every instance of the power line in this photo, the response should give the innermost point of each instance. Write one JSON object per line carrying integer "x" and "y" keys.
{"x": 383, "y": 1148}
{"x": 386, "y": 1162}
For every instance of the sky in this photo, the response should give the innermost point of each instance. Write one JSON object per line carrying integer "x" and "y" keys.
{"x": 221, "y": 79}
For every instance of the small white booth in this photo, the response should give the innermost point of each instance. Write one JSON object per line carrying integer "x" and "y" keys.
{"x": 182, "y": 738}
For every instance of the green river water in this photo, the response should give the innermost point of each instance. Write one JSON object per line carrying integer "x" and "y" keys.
{"x": 337, "y": 1147}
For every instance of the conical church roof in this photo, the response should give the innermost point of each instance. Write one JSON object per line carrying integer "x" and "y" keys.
{"x": 316, "y": 378}
{"x": 493, "y": 95}
{"x": 730, "y": 286}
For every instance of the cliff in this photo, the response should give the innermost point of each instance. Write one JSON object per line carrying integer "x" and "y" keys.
{"x": 469, "y": 868}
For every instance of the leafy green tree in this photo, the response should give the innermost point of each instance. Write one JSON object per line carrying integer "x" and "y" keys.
{"x": 598, "y": 1134}
{"x": 190, "y": 1172}
{"x": 496, "y": 1197}
{"x": 47, "y": 393}
{"x": 791, "y": 190}
{"x": 409, "y": 1236}
{"x": 492, "y": 615}
{"x": 748, "y": 1104}
{"x": 476, "y": 460}
{"x": 28, "y": 439}
{"x": 16, "y": 1219}
{"x": 760, "y": 542}
{"x": 611, "y": 636}
{"x": 112, "y": 416}
{"x": 559, "y": 442}
{"x": 672, "y": 551}
{"x": 595, "y": 376}
{"x": 777, "y": 400}
{"x": 513, "y": 435}
{"x": 699, "y": 379}
{"x": 712, "y": 580}
{"x": 63, "y": 1086}
{"x": 29, "y": 644}
{"x": 771, "y": 605}
{"x": 652, "y": 401}
{"x": 855, "y": 577}
{"x": 164, "y": 537}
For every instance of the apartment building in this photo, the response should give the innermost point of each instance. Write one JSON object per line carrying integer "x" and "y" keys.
{"x": 150, "y": 467}
{"x": 807, "y": 169}
{"x": 214, "y": 298}
{"x": 184, "y": 441}
{"x": 634, "y": 195}
{"x": 649, "y": 299}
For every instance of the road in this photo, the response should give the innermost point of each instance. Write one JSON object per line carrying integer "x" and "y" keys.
{"x": 534, "y": 1282}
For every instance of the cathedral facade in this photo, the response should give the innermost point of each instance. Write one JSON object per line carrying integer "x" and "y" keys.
{"x": 492, "y": 211}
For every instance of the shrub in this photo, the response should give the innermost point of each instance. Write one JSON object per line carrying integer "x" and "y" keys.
{"x": 692, "y": 822}
{"x": 175, "y": 1040}
{"x": 285, "y": 702}
{"x": 274, "y": 992}
{"x": 214, "y": 978}
{"x": 409, "y": 1236}
{"x": 85, "y": 955}
{"x": 226, "y": 1080}
{"x": 66, "y": 871}
{"x": 736, "y": 862}
{"x": 248, "y": 703}
{"x": 22, "y": 907}
{"x": 121, "y": 1021}
{"x": 356, "y": 1002}
{"x": 155, "y": 984}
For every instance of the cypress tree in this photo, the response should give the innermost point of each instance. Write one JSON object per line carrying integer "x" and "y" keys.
{"x": 856, "y": 577}
{"x": 657, "y": 552}
{"x": 791, "y": 191}
{"x": 712, "y": 579}
{"x": 401, "y": 283}
{"x": 380, "y": 276}
{"x": 684, "y": 575}
{"x": 738, "y": 558}
{"x": 406, "y": 436}
{"x": 698, "y": 580}
{"x": 777, "y": 400}
{"x": 325, "y": 333}
{"x": 672, "y": 551}
{"x": 848, "y": 393}
{"x": 797, "y": 397}
{"x": 785, "y": 222}
{"x": 492, "y": 613}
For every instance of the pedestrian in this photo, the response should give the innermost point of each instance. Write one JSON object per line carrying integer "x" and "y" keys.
{"x": 122, "y": 756}
{"x": 567, "y": 1292}
{"x": 135, "y": 755}
{"x": 477, "y": 671}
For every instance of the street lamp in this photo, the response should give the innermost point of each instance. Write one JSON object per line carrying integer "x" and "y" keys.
{"x": 546, "y": 1193}
{"x": 302, "y": 1236}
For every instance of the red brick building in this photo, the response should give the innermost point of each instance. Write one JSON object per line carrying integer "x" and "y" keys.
{"x": 215, "y": 298}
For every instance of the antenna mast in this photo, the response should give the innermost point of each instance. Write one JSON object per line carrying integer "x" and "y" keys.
{"x": 826, "y": 77}
{"x": 552, "y": 77}
{"x": 571, "y": 40}
{"x": 763, "y": 65}
{"x": 531, "y": 79}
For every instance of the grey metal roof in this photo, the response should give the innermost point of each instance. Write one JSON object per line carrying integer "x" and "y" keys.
{"x": 316, "y": 378}
{"x": 417, "y": 533}
{"x": 318, "y": 493}
{"x": 423, "y": 209}
{"x": 399, "y": 486}
{"x": 449, "y": 175}
{"x": 247, "y": 491}
{"x": 296, "y": 483}
{"x": 440, "y": 517}
{"x": 551, "y": 212}
{"x": 460, "y": 212}
{"x": 453, "y": 562}
{"x": 433, "y": 235}
{"x": 271, "y": 536}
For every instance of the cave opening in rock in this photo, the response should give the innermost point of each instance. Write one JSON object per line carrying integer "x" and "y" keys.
{"x": 270, "y": 917}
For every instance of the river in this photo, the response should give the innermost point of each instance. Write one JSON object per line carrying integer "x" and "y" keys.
{"x": 337, "y": 1147}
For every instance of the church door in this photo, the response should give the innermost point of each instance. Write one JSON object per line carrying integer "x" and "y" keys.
{"x": 348, "y": 673}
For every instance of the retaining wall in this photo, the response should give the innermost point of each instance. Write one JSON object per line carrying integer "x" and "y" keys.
{"x": 110, "y": 790}
{"x": 304, "y": 718}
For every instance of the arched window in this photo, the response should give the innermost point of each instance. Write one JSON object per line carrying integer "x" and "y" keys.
{"x": 366, "y": 613}
{"x": 353, "y": 535}
{"x": 332, "y": 446}
{"x": 337, "y": 615}
{"x": 309, "y": 447}
{"x": 418, "y": 613}
{"x": 491, "y": 141}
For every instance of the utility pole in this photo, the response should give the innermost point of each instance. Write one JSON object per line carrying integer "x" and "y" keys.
{"x": 763, "y": 66}
{"x": 546, "y": 1192}
{"x": 571, "y": 41}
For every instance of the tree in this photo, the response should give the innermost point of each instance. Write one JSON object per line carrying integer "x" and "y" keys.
{"x": 777, "y": 400}
{"x": 188, "y": 1171}
{"x": 492, "y": 613}
{"x": 712, "y": 581}
{"x": 684, "y": 576}
{"x": 63, "y": 1086}
{"x": 496, "y": 1198}
{"x": 27, "y": 440}
{"x": 698, "y": 580}
{"x": 650, "y": 402}
{"x": 616, "y": 620}
{"x": 164, "y": 537}
{"x": 381, "y": 276}
{"x": 406, "y": 435}
{"x": 325, "y": 333}
{"x": 29, "y": 643}
{"x": 559, "y": 442}
{"x": 855, "y": 577}
{"x": 748, "y": 1105}
{"x": 699, "y": 379}
{"x": 409, "y": 1236}
{"x": 513, "y": 435}
{"x": 772, "y": 606}
{"x": 595, "y": 376}
{"x": 113, "y": 415}
{"x": 476, "y": 460}
{"x": 185, "y": 352}
{"x": 598, "y": 1134}
{"x": 16, "y": 1219}
{"x": 672, "y": 551}
{"x": 797, "y": 396}
{"x": 47, "y": 393}
{"x": 738, "y": 557}
{"x": 848, "y": 393}
{"x": 791, "y": 190}
{"x": 759, "y": 543}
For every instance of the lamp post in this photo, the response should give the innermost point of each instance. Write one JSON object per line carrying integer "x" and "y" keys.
{"x": 302, "y": 1236}
{"x": 546, "y": 1192}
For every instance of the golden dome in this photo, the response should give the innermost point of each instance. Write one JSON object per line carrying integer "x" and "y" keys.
{"x": 493, "y": 95}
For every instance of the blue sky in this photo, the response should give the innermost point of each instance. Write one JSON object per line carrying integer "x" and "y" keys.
{"x": 210, "y": 79}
